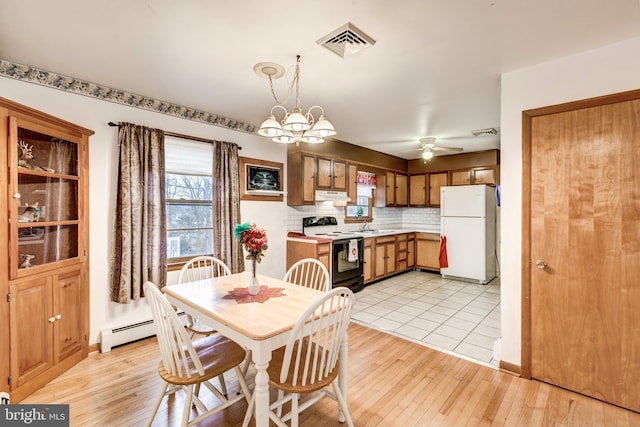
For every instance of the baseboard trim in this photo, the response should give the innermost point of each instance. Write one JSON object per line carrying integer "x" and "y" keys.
{"x": 94, "y": 347}
{"x": 510, "y": 368}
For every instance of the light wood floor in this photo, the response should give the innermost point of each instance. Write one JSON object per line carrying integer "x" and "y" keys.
{"x": 392, "y": 382}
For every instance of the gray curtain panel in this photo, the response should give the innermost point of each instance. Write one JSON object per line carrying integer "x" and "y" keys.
{"x": 138, "y": 251}
{"x": 226, "y": 205}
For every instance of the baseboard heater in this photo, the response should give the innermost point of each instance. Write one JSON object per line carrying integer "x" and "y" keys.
{"x": 114, "y": 337}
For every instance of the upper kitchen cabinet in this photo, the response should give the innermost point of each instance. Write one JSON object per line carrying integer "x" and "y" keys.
{"x": 478, "y": 167}
{"x": 397, "y": 189}
{"x": 301, "y": 173}
{"x": 331, "y": 175}
{"x": 352, "y": 183}
{"x": 472, "y": 176}
{"x": 45, "y": 260}
{"x": 424, "y": 189}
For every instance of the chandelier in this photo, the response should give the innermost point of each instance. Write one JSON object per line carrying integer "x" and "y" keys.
{"x": 294, "y": 126}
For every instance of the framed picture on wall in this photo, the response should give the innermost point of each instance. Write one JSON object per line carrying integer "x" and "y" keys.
{"x": 261, "y": 180}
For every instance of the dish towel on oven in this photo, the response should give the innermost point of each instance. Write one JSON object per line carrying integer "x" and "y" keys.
{"x": 352, "y": 256}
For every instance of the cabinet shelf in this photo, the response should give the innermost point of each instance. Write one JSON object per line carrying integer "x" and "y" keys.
{"x": 23, "y": 171}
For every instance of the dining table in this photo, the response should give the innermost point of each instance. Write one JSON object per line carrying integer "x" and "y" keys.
{"x": 261, "y": 323}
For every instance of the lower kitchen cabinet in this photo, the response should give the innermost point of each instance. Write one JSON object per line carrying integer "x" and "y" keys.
{"x": 385, "y": 256}
{"x": 428, "y": 251}
{"x": 47, "y": 329}
{"x": 297, "y": 250}
{"x": 367, "y": 260}
{"x": 406, "y": 251}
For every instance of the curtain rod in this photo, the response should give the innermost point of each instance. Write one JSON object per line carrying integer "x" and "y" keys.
{"x": 180, "y": 135}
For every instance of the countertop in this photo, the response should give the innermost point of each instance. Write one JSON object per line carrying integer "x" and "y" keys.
{"x": 376, "y": 232}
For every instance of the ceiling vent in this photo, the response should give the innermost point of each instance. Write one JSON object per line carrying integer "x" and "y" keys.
{"x": 485, "y": 132}
{"x": 346, "y": 41}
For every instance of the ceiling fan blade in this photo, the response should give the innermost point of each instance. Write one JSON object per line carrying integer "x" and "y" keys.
{"x": 437, "y": 148}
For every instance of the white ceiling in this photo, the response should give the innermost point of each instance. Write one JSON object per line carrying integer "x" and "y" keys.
{"x": 434, "y": 70}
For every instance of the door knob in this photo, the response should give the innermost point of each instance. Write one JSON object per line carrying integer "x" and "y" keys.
{"x": 540, "y": 264}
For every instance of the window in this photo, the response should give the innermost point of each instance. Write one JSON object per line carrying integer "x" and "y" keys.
{"x": 188, "y": 189}
{"x": 362, "y": 210}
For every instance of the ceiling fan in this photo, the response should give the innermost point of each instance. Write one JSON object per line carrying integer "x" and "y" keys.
{"x": 429, "y": 146}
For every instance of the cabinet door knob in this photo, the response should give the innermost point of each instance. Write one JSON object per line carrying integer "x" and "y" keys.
{"x": 17, "y": 196}
{"x": 52, "y": 319}
{"x": 541, "y": 265}
{"x": 58, "y": 316}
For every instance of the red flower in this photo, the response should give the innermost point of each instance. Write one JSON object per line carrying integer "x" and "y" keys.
{"x": 253, "y": 239}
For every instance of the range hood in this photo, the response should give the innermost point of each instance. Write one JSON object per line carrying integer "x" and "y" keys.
{"x": 332, "y": 196}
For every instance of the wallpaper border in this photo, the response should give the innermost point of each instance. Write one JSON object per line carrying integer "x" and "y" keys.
{"x": 80, "y": 87}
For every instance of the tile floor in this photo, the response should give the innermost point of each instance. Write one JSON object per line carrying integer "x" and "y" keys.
{"x": 459, "y": 318}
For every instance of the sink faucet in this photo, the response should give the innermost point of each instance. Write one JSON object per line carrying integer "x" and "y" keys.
{"x": 365, "y": 226}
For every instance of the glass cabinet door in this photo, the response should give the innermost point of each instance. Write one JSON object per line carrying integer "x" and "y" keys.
{"x": 45, "y": 184}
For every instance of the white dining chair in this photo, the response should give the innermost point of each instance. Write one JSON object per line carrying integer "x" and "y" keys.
{"x": 186, "y": 363}
{"x": 311, "y": 273}
{"x": 201, "y": 268}
{"x": 309, "y": 361}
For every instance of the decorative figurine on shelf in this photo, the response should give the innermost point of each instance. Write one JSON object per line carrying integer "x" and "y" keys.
{"x": 25, "y": 156}
{"x": 30, "y": 214}
{"x": 25, "y": 260}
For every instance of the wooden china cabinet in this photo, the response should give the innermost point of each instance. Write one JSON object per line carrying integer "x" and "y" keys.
{"x": 44, "y": 258}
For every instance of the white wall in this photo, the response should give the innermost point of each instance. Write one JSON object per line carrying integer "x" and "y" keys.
{"x": 611, "y": 69}
{"x": 95, "y": 114}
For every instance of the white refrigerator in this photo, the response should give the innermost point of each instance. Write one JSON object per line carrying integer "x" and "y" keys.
{"x": 468, "y": 221}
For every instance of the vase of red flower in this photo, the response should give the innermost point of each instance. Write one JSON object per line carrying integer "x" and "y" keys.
{"x": 254, "y": 241}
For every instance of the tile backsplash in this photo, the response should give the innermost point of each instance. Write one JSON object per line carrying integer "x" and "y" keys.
{"x": 382, "y": 217}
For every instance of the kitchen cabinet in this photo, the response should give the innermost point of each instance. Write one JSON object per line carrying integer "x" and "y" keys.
{"x": 384, "y": 256}
{"x": 45, "y": 263}
{"x": 480, "y": 175}
{"x": 367, "y": 260}
{"x": 461, "y": 177}
{"x": 331, "y": 174}
{"x": 47, "y": 333}
{"x": 418, "y": 190}
{"x": 428, "y": 251}
{"x": 488, "y": 175}
{"x": 309, "y": 248}
{"x": 406, "y": 251}
{"x": 352, "y": 183}
{"x": 301, "y": 178}
{"x": 395, "y": 190}
{"x": 436, "y": 181}
{"x": 424, "y": 189}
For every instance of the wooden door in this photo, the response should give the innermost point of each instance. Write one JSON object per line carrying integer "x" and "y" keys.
{"x": 427, "y": 254}
{"x": 436, "y": 181}
{"x": 485, "y": 176}
{"x": 583, "y": 261}
{"x": 411, "y": 251}
{"x": 352, "y": 183}
{"x": 461, "y": 177}
{"x": 402, "y": 196}
{"x": 367, "y": 261}
{"x": 339, "y": 170}
{"x": 308, "y": 179}
{"x": 390, "y": 257}
{"x": 67, "y": 303}
{"x": 380, "y": 263}
{"x": 31, "y": 329}
{"x": 391, "y": 189}
{"x": 324, "y": 175}
{"x": 418, "y": 190}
